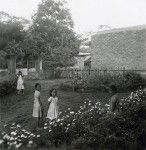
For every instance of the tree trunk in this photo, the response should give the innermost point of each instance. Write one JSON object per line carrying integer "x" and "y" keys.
{"x": 38, "y": 67}
{"x": 12, "y": 64}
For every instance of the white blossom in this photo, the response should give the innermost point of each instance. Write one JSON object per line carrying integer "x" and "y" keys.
{"x": 30, "y": 142}
{"x": 1, "y": 141}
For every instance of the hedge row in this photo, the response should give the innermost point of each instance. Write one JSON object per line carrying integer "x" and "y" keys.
{"x": 130, "y": 81}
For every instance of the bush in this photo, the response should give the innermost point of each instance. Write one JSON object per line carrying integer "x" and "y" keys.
{"x": 124, "y": 82}
{"x": 134, "y": 80}
{"x": 7, "y": 85}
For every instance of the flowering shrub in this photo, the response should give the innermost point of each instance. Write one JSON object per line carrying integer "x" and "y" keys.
{"x": 91, "y": 126}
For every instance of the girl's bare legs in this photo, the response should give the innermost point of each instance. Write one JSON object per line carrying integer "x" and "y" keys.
{"x": 18, "y": 92}
{"x": 22, "y": 91}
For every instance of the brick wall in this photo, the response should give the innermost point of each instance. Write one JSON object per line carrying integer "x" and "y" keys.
{"x": 118, "y": 48}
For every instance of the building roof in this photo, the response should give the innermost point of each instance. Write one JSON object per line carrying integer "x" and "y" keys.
{"x": 83, "y": 54}
{"x": 138, "y": 27}
{"x": 88, "y": 58}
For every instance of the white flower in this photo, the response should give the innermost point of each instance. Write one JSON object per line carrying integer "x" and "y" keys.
{"x": 18, "y": 126}
{"x": 13, "y": 124}
{"x": 58, "y": 120}
{"x": 11, "y": 138}
{"x": 22, "y": 136}
{"x": 13, "y": 133}
{"x": 50, "y": 130}
{"x": 6, "y": 136}
{"x": 71, "y": 112}
{"x": 32, "y": 135}
{"x": 18, "y": 145}
{"x": 1, "y": 141}
{"x": 45, "y": 124}
{"x": 30, "y": 142}
{"x": 45, "y": 127}
{"x": 38, "y": 136}
{"x": 13, "y": 127}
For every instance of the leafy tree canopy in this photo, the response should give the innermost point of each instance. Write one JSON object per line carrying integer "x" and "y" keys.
{"x": 53, "y": 30}
{"x": 11, "y": 32}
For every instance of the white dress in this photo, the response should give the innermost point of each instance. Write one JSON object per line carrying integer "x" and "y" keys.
{"x": 20, "y": 85}
{"x": 36, "y": 107}
{"x": 53, "y": 108}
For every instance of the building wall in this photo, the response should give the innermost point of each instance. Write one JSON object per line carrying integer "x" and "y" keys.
{"x": 79, "y": 62}
{"x": 119, "y": 48}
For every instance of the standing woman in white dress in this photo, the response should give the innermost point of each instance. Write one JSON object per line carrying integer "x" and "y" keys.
{"x": 37, "y": 107}
{"x": 20, "y": 83}
{"x": 53, "y": 105}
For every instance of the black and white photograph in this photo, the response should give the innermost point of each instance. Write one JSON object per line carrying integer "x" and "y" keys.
{"x": 73, "y": 74}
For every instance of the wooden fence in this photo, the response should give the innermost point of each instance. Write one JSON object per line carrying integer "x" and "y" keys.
{"x": 82, "y": 74}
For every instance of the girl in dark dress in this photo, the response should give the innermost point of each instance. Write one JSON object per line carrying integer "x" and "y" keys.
{"x": 114, "y": 100}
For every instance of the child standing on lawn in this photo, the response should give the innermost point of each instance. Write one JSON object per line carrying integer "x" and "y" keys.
{"x": 53, "y": 105}
{"x": 20, "y": 83}
{"x": 37, "y": 107}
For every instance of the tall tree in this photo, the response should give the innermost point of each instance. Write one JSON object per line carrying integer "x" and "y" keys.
{"x": 53, "y": 30}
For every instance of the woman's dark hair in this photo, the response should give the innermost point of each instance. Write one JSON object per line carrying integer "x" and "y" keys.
{"x": 52, "y": 91}
{"x": 113, "y": 88}
{"x": 37, "y": 84}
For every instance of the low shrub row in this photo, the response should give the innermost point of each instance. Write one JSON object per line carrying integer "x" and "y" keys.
{"x": 7, "y": 85}
{"x": 128, "y": 81}
{"x": 91, "y": 127}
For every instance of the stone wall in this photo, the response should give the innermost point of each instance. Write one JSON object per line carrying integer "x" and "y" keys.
{"x": 120, "y": 48}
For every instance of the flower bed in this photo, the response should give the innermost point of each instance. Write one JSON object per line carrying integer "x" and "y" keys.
{"x": 91, "y": 126}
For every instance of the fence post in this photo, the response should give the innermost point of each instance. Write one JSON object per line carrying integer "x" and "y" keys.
{"x": 123, "y": 70}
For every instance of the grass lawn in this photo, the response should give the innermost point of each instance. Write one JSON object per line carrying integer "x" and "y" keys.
{"x": 18, "y": 108}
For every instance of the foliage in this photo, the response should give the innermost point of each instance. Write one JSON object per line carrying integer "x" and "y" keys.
{"x": 12, "y": 33}
{"x": 7, "y": 85}
{"x": 126, "y": 81}
{"x": 12, "y": 29}
{"x": 52, "y": 33}
{"x": 91, "y": 126}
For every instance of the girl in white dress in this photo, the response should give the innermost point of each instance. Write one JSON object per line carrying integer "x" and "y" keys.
{"x": 20, "y": 83}
{"x": 53, "y": 105}
{"x": 37, "y": 107}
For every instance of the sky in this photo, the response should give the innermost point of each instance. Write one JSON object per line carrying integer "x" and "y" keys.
{"x": 88, "y": 14}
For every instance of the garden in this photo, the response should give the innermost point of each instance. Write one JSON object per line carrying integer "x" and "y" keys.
{"x": 84, "y": 120}
{"x": 44, "y": 44}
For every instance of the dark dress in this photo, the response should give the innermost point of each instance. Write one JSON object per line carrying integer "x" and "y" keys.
{"x": 114, "y": 104}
